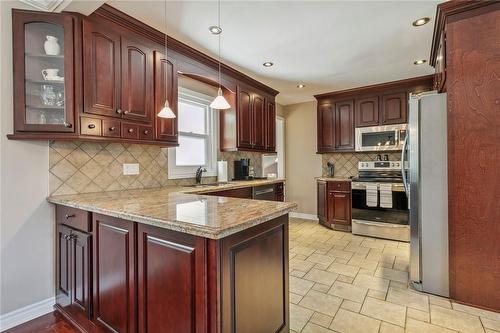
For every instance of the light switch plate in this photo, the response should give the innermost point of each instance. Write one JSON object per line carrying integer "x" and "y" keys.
{"x": 130, "y": 169}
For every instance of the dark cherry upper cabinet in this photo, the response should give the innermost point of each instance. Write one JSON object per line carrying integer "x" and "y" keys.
{"x": 344, "y": 125}
{"x": 137, "y": 81}
{"x": 258, "y": 122}
{"x": 171, "y": 297}
{"x": 244, "y": 118}
{"x": 270, "y": 126}
{"x": 394, "y": 108}
{"x": 114, "y": 273}
{"x": 165, "y": 83}
{"x": 366, "y": 111}
{"x": 101, "y": 70}
{"x": 43, "y": 102}
{"x": 326, "y": 138}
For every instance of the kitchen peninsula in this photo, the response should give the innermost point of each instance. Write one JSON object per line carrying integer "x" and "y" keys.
{"x": 165, "y": 260}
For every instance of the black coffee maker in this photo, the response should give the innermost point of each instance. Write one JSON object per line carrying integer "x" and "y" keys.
{"x": 241, "y": 169}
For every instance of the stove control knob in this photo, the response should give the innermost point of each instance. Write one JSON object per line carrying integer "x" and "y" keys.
{"x": 392, "y": 164}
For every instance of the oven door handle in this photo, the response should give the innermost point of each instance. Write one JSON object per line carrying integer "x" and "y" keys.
{"x": 403, "y": 171}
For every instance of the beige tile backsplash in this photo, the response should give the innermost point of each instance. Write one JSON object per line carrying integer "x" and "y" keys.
{"x": 84, "y": 167}
{"x": 346, "y": 164}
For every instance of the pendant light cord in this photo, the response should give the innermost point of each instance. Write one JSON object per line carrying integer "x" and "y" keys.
{"x": 218, "y": 23}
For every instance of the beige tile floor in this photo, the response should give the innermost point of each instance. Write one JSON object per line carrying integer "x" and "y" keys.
{"x": 340, "y": 282}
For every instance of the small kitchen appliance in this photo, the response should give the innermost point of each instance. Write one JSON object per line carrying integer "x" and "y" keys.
{"x": 241, "y": 169}
{"x": 380, "y": 138}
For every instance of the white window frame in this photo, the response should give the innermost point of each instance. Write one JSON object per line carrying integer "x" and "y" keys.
{"x": 212, "y": 146}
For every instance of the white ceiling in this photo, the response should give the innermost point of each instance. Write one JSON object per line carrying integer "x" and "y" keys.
{"x": 327, "y": 45}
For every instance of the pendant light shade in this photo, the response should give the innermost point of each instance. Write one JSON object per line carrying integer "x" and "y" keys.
{"x": 166, "y": 111}
{"x": 220, "y": 102}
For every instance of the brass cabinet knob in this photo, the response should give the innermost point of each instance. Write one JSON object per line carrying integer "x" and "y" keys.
{"x": 146, "y": 132}
{"x": 119, "y": 111}
{"x": 131, "y": 130}
{"x": 126, "y": 112}
{"x": 112, "y": 128}
{"x": 91, "y": 126}
{"x": 67, "y": 216}
{"x": 67, "y": 125}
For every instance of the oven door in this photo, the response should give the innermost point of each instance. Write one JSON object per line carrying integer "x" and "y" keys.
{"x": 380, "y": 138}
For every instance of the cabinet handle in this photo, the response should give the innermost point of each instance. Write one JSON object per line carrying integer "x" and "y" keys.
{"x": 67, "y": 125}
{"x": 131, "y": 130}
{"x": 119, "y": 111}
{"x": 91, "y": 126}
{"x": 112, "y": 128}
{"x": 67, "y": 216}
{"x": 339, "y": 195}
{"x": 146, "y": 132}
{"x": 126, "y": 112}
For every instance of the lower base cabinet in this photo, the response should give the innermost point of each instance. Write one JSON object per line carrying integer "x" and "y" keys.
{"x": 334, "y": 204}
{"x": 121, "y": 276}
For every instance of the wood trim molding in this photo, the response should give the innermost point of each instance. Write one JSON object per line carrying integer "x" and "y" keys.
{"x": 447, "y": 9}
{"x": 110, "y": 13}
{"x": 424, "y": 81}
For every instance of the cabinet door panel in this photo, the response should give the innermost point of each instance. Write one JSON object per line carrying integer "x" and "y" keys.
{"x": 137, "y": 81}
{"x": 341, "y": 208}
{"x": 171, "y": 296}
{"x": 244, "y": 119}
{"x": 326, "y": 139}
{"x": 81, "y": 270}
{"x": 165, "y": 82}
{"x": 63, "y": 264}
{"x": 344, "y": 125}
{"x": 366, "y": 110}
{"x": 114, "y": 277}
{"x": 101, "y": 70}
{"x": 394, "y": 108}
{"x": 258, "y": 122}
{"x": 270, "y": 126}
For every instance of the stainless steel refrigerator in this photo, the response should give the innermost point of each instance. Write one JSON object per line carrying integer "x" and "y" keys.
{"x": 426, "y": 183}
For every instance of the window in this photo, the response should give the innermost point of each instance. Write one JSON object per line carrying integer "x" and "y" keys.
{"x": 197, "y": 137}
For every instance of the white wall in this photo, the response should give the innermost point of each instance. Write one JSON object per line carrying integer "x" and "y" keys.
{"x": 26, "y": 219}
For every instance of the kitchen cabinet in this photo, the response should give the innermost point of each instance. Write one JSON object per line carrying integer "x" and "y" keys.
{"x": 43, "y": 72}
{"x": 339, "y": 113}
{"x": 165, "y": 84}
{"x": 334, "y": 204}
{"x": 270, "y": 126}
{"x": 253, "y": 124}
{"x": 114, "y": 277}
{"x": 344, "y": 125}
{"x": 326, "y": 138}
{"x": 366, "y": 111}
{"x": 394, "y": 108}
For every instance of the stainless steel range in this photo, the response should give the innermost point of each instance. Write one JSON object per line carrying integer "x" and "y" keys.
{"x": 379, "y": 201}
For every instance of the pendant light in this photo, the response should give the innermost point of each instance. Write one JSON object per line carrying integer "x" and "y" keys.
{"x": 219, "y": 103}
{"x": 166, "y": 111}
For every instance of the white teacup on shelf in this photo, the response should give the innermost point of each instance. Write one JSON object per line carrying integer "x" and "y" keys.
{"x": 51, "y": 74}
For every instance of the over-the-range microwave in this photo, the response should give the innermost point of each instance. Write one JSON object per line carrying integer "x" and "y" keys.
{"x": 380, "y": 138}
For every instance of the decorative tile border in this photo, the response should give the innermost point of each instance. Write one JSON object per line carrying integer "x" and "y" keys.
{"x": 346, "y": 164}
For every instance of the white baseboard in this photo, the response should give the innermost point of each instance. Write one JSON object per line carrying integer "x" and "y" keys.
{"x": 304, "y": 216}
{"x": 27, "y": 313}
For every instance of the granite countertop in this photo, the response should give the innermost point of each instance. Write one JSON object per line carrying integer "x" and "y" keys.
{"x": 171, "y": 208}
{"x": 333, "y": 179}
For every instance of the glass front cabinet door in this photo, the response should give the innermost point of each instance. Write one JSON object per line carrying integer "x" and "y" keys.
{"x": 43, "y": 72}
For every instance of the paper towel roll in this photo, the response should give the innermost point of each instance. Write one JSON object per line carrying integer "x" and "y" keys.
{"x": 222, "y": 171}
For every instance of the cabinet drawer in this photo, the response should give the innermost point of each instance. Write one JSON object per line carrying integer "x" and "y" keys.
{"x": 130, "y": 131}
{"x": 111, "y": 128}
{"x": 145, "y": 132}
{"x": 90, "y": 126}
{"x": 75, "y": 218}
{"x": 339, "y": 186}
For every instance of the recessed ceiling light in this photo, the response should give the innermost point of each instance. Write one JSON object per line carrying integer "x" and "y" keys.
{"x": 215, "y": 30}
{"x": 421, "y": 21}
{"x": 268, "y": 64}
{"x": 419, "y": 62}
{"x": 300, "y": 86}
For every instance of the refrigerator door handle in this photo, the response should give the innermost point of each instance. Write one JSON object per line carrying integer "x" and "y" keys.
{"x": 403, "y": 171}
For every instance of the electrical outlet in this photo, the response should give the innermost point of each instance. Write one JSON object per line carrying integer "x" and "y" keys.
{"x": 130, "y": 169}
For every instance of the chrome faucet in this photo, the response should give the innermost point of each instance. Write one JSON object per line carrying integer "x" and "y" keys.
{"x": 199, "y": 172}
